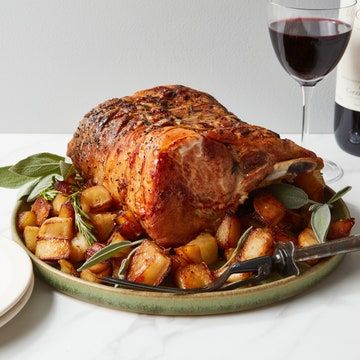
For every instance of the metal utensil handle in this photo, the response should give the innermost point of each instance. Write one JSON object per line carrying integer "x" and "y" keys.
{"x": 330, "y": 248}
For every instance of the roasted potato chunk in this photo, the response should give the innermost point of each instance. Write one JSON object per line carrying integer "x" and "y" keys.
{"x": 30, "y": 237}
{"x": 104, "y": 224}
{"x": 269, "y": 208}
{"x": 26, "y": 218}
{"x": 116, "y": 237}
{"x": 149, "y": 265}
{"x": 281, "y": 235}
{"x": 208, "y": 247}
{"x": 193, "y": 276}
{"x": 313, "y": 184}
{"x": 67, "y": 210}
{"x": 95, "y": 199}
{"x": 59, "y": 200}
{"x": 52, "y": 249}
{"x": 229, "y": 232}
{"x": 67, "y": 267}
{"x": 260, "y": 242}
{"x": 89, "y": 276}
{"x": 202, "y": 249}
{"x": 79, "y": 245}
{"x": 190, "y": 253}
{"x": 128, "y": 225}
{"x": 340, "y": 228}
{"x": 178, "y": 261}
{"x": 56, "y": 228}
{"x": 307, "y": 238}
{"x": 41, "y": 208}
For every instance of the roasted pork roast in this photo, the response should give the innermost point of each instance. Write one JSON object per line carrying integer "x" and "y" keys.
{"x": 179, "y": 160}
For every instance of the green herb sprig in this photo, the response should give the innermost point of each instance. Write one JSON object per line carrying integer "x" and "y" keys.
{"x": 239, "y": 244}
{"x": 36, "y": 176}
{"x": 82, "y": 222}
{"x": 107, "y": 252}
{"x": 294, "y": 198}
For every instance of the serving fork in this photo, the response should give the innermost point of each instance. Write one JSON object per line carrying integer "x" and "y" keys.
{"x": 284, "y": 260}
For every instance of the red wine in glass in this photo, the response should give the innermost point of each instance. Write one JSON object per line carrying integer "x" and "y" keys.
{"x": 309, "y": 48}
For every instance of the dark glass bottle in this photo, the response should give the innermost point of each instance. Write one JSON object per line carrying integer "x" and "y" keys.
{"x": 347, "y": 129}
{"x": 347, "y": 101}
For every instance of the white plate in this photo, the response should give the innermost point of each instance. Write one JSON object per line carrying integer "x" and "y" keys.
{"x": 19, "y": 305}
{"x": 15, "y": 274}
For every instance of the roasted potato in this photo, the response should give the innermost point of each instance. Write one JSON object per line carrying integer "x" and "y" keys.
{"x": 307, "y": 238}
{"x": 281, "y": 235}
{"x": 89, "y": 276}
{"x": 189, "y": 253}
{"x": 59, "y": 200}
{"x": 116, "y": 237}
{"x": 104, "y": 224}
{"x": 67, "y": 267}
{"x": 202, "y": 249}
{"x": 30, "y": 237}
{"x": 52, "y": 249}
{"x": 313, "y": 184}
{"x": 293, "y": 221}
{"x": 229, "y": 232}
{"x": 95, "y": 199}
{"x": 56, "y": 228}
{"x": 269, "y": 208}
{"x": 149, "y": 264}
{"x": 128, "y": 225}
{"x": 41, "y": 208}
{"x": 340, "y": 228}
{"x": 260, "y": 242}
{"x": 178, "y": 261}
{"x": 26, "y": 218}
{"x": 78, "y": 245}
{"x": 193, "y": 276}
{"x": 67, "y": 210}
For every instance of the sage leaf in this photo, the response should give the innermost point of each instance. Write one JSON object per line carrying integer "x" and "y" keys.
{"x": 11, "y": 180}
{"x": 314, "y": 207}
{"x": 125, "y": 264}
{"x": 291, "y": 196}
{"x": 26, "y": 189}
{"x": 107, "y": 252}
{"x": 38, "y": 165}
{"x": 240, "y": 242}
{"x": 66, "y": 169}
{"x": 320, "y": 222}
{"x": 339, "y": 194}
{"x": 42, "y": 185}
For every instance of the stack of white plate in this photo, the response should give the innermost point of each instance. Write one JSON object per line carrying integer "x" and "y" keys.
{"x": 16, "y": 279}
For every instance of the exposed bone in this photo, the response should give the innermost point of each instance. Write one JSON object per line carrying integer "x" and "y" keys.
{"x": 289, "y": 169}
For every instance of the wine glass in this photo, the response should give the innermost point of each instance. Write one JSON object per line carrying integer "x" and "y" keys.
{"x": 309, "y": 41}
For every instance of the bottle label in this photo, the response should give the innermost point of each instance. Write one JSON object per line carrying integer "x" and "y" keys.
{"x": 348, "y": 71}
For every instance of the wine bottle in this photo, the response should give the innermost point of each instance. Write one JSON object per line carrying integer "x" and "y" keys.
{"x": 347, "y": 98}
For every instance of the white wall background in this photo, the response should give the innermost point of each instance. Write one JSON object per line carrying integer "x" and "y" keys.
{"x": 59, "y": 58}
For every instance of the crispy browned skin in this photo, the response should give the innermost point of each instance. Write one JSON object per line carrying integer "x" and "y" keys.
{"x": 176, "y": 158}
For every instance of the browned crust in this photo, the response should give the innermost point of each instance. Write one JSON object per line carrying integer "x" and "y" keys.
{"x": 131, "y": 146}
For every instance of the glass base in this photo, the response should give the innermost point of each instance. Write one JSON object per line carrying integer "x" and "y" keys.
{"x": 331, "y": 172}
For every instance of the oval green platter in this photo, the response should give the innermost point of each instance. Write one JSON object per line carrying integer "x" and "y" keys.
{"x": 219, "y": 302}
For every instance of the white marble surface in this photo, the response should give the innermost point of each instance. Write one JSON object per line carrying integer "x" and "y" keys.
{"x": 323, "y": 321}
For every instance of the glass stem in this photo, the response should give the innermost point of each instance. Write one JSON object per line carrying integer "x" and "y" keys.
{"x": 307, "y": 92}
